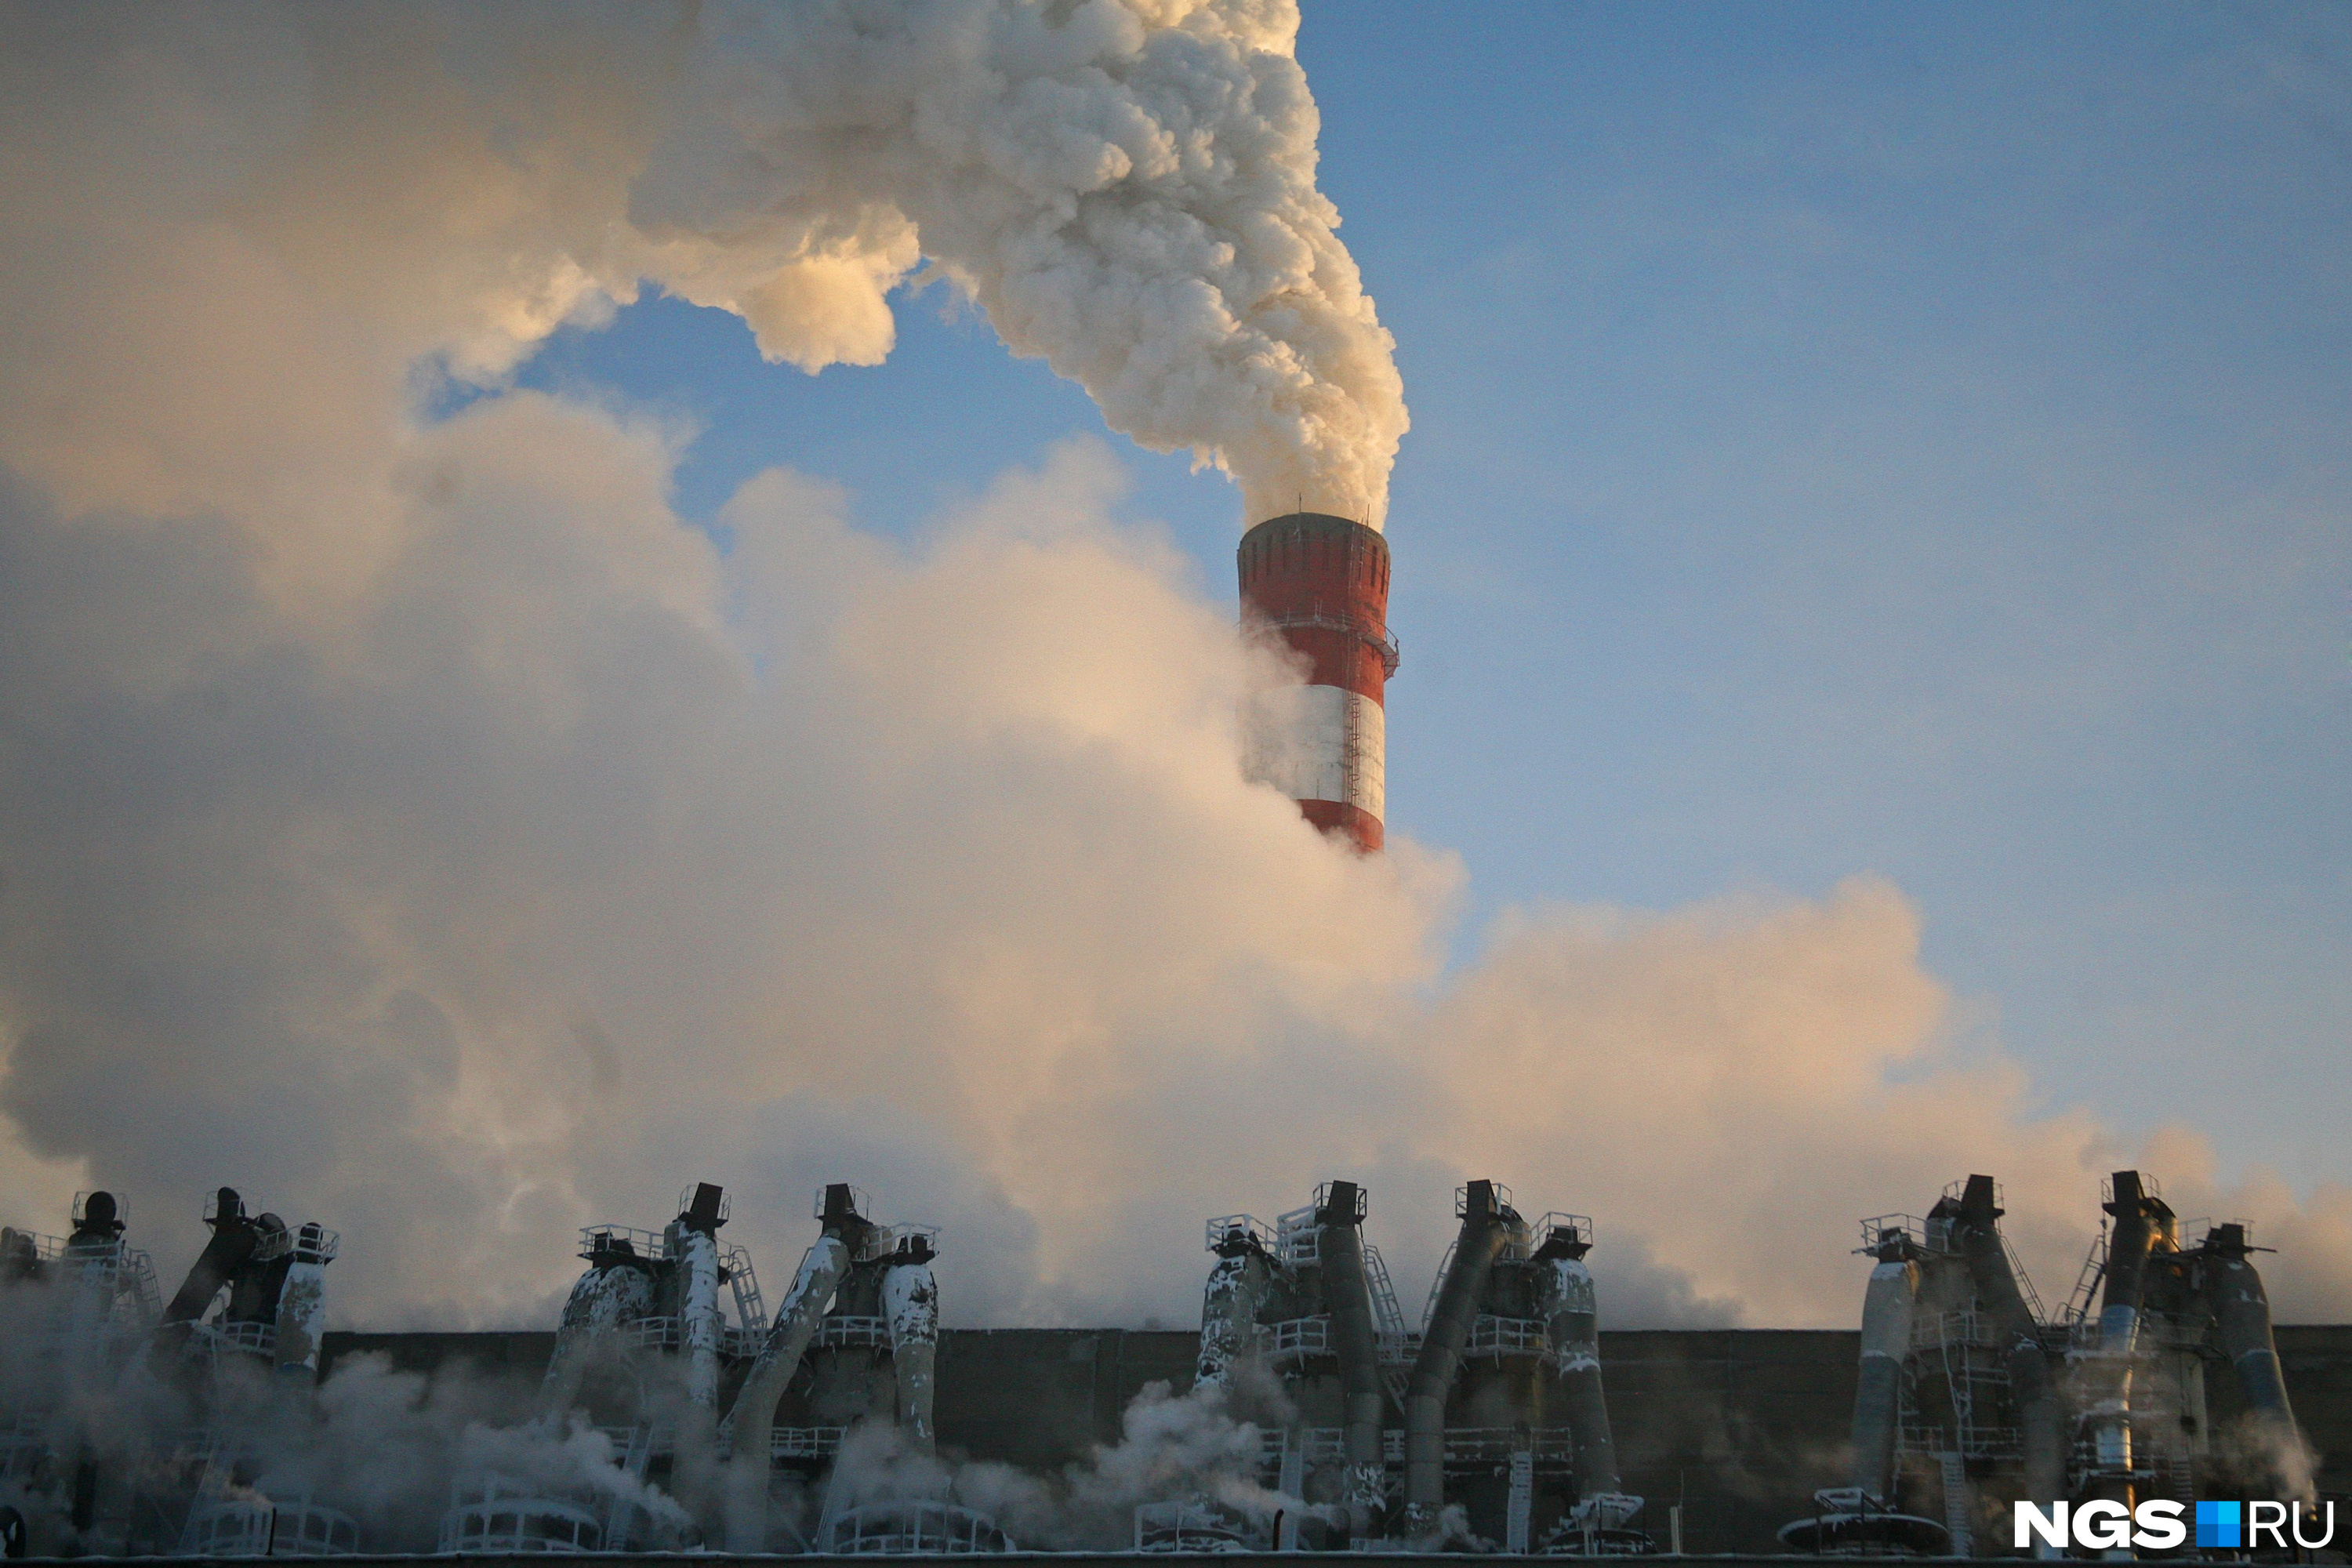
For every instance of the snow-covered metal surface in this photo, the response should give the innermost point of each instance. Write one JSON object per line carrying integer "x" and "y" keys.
{"x": 910, "y": 1301}
{"x": 604, "y": 1301}
{"x": 754, "y": 1414}
{"x": 302, "y": 1300}
{"x": 1236, "y": 1288}
{"x": 701, "y": 1322}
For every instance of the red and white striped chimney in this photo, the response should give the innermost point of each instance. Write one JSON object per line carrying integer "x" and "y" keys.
{"x": 1322, "y": 583}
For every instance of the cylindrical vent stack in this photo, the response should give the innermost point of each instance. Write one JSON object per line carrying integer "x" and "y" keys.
{"x": 1322, "y": 583}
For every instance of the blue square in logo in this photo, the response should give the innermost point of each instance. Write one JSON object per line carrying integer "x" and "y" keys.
{"x": 2217, "y": 1524}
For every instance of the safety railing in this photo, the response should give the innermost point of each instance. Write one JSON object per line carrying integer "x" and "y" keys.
{"x": 1225, "y": 1230}
{"x": 846, "y": 1332}
{"x": 1506, "y": 1336}
{"x": 804, "y": 1442}
{"x": 1295, "y": 1339}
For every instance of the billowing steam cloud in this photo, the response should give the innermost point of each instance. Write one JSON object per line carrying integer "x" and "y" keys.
{"x": 417, "y": 824}
{"x": 1126, "y": 187}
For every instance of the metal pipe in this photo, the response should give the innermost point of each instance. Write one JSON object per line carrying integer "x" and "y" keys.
{"x": 2242, "y": 1311}
{"x": 89, "y": 1275}
{"x": 1482, "y": 1235}
{"x": 1888, "y": 1304}
{"x": 910, "y": 1304}
{"x": 253, "y": 1289}
{"x": 617, "y": 1289}
{"x": 231, "y": 1245}
{"x": 697, "y": 1251}
{"x": 753, "y": 1418}
{"x": 692, "y": 1245}
{"x": 1566, "y": 1302}
{"x": 1348, "y": 1296}
{"x": 2109, "y": 1408}
{"x": 303, "y": 1303}
{"x": 2033, "y": 1387}
{"x": 1236, "y": 1288}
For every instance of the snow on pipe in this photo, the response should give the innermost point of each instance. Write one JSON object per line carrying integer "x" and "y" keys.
{"x": 617, "y": 1288}
{"x": 691, "y": 1244}
{"x": 1567, "y": 1302}
{"x": 1888, "y": 1303}
{"x": 1237, "y": 1288}
{"x": 2241, "y": 1311}
{"x": 910, "y": 1304}
{"x": 694, "y": 1235}
{"x": 2033, "y": 1386}
{"x": 1348, "y": 1293}
{"x": 1483, "y": 1229}
{"x": 303, "y": 1301}
{"x": 752, "y": 1420}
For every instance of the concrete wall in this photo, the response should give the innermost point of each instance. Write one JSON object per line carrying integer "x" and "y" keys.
{"x": 1740, "y": 1426}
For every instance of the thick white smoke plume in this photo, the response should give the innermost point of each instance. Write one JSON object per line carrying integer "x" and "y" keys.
{"x": 1126, "y": 187}
{"x": 417, "y": 824}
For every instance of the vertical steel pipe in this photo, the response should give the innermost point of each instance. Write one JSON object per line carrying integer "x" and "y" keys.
{"x": 752, "y": 1421}
{"x": 2242, "y": 1312}
{"x": 2109, "y": 1407}
{"x": 1475, "y": 1250}
{"x": 2033, "y": 1387}
{"x": 1565, "y": 1300}
{"x": 911, "y": 1305}
{"x": 302, "y": 1303}
{"x": 1348, "y": 1296}
{"x": 1888, "y": 1304}
{"x": 1237, "y": 1288}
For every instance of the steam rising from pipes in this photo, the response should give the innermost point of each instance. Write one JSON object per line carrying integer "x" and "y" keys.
{"x": 416, "y": 813}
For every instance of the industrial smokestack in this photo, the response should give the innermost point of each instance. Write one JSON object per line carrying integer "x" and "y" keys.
{"x": 1322, "y": 583}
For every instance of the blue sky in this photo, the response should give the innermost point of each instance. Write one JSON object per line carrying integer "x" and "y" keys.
{"x": 1901, "y": 440}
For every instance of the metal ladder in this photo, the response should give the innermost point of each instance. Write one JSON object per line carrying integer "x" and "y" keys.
{"x": 1523, "y": 1499}
{"x": 1957, "y": 1512}
{"x": 750, "y": 1311}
